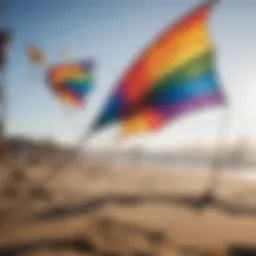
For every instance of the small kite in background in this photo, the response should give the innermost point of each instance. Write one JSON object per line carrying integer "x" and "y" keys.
{"x": 35, "y": 55}
{"x": 71, "y": 82}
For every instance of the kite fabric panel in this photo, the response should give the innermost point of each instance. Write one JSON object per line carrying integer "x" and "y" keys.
{"x": 71, "y": 82}
{"x": 174, "y": 76}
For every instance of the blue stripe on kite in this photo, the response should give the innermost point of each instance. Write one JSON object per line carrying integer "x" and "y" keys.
{"x": 196, "y": 87}
{"x": 77, "y": 88}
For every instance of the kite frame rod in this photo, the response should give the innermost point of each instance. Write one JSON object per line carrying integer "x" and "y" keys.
{"x": 216, "y": 166}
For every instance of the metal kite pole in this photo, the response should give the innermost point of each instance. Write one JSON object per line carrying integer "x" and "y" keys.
{"x": 216, "y": 166}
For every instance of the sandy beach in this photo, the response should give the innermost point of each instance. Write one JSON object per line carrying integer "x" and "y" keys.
{"x": 119, "y": 210}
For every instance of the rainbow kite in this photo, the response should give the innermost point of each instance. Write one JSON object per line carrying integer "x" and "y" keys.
{"x": 71, "y": 82}
{"x": 174, "y": 76}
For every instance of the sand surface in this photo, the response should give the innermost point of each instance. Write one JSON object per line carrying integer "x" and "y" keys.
{"x": 120, "y": 210}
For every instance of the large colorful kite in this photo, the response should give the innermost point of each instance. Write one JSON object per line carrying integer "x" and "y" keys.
{"x": 71, "y": 82}
{"x": 174, "y": 76}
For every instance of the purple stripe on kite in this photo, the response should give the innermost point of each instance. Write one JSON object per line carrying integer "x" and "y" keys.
{"x": 174, "y": 111}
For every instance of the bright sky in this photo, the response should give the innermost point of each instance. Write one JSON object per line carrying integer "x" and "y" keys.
{"x": 112, "y": 32}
